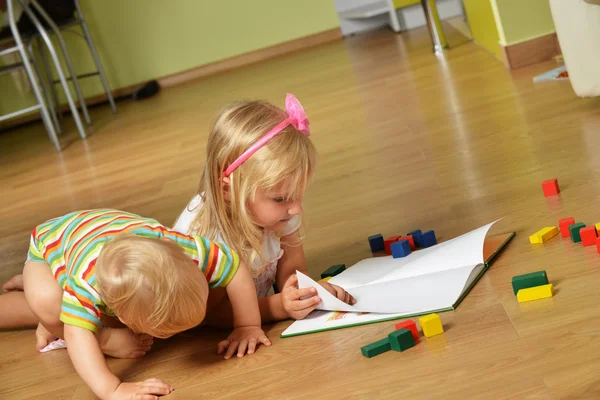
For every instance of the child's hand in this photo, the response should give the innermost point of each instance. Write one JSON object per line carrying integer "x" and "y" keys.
{"x": 339, "y": 293}
{"x": 292, "y": 299}
{"x": 241, "y": 339}
{"x": 147, "y": 390}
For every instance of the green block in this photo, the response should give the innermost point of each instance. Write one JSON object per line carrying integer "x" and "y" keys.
{"x": 333, "y": 270}
{"x": 401, "y": 340}
{"x": 574, "y": 230}
{"x": 376, "y": 348}
{"x": 525, "y": 281}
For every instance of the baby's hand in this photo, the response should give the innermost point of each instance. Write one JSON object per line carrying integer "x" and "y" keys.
{"x": 338, "y": 292}
{"x": 241, "y": 339}
{"x": 147, "y": 390}
{"x": 298, "y": 303}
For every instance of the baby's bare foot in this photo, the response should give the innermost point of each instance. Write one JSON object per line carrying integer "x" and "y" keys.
{"x": 14, "y": 283}
{"x": 123, "y": 343}
{"x": 43, "y": 337}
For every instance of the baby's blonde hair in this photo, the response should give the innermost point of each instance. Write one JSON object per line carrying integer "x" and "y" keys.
{"x": 289, "y": 157}
{"x": 151, "y": 284}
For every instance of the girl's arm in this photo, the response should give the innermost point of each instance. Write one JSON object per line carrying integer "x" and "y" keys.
{"x": 247, "y": 332}
{"x": 90, "y": 364}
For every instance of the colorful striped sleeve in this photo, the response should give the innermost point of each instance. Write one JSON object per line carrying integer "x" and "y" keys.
{"x": 80, "y": 305}
{"x": 35, "y": 252}
{"x": 218, "y": 261}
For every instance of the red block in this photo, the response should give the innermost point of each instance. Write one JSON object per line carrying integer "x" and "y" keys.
{"x": 563, "y": 225}
{"x": 410, "y": 240}
{"x": 588, "y": 236}
{"x": 388, "y": 242}
{"x": 550, "y": 187}
{"x": 410, "y": 325}
{"x": 598, "y": 245}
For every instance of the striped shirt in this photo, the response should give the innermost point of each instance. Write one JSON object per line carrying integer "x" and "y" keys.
{"x": 71, "y": 245}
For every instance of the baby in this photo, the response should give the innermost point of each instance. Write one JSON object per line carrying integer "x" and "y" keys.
{"x": 90, "y": 268}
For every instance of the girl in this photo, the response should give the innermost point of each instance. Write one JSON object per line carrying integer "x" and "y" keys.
{"x": 259, "y": 163}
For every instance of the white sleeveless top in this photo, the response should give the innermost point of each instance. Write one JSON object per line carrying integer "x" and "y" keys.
{"x": 264, "y": 275}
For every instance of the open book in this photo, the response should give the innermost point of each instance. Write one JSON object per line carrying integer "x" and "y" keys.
{"x": 435, "y": 279}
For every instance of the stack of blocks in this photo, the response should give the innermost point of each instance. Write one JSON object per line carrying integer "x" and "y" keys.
{"x": 405, "y": 336}
{"x": 395, "y": 247}
{"x": 532, "y": 286}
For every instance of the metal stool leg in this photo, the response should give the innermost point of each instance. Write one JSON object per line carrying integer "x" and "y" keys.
{"x": 44, "y": 84}
{"x": 36, "y": 90}
{"x": 68, "y": 62}
{"x": 92, "y": 47}
{"x": 50, "y": 77}
{"x": 434, "y": 25}
{"x": 56, "y": 61}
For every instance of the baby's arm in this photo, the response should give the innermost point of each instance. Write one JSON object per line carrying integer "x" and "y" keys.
{"x": 90, "y": 364}
{"x": 247, "y": 330}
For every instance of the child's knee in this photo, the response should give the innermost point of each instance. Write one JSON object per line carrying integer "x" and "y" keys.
{"x": 45, "y": 304}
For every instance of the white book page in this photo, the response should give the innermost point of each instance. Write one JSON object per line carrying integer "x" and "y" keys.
{"x": 465, "y": 250}
{"x": 413, "y": 294}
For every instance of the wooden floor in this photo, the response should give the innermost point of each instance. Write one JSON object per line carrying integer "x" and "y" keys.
{"x": 406, "y": 140}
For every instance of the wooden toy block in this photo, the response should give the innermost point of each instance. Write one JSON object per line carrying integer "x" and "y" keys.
{"x": 401, "y": 340}
{"x": 376, "y": 243}
{"x": 532, "y": 279}
{"x": 410, "y": 240}
{"x": 411, "y": 326}
{"x": 564, "y": 224}
{"x": 535, "y": 293}
{"x": 431, "y": 325}
{"x": 416, "y": 235}
{"x": 574, "y": 231}
{"x": 428, "y": 239}
{"x": 550, "y": 187}
{"x": 598, "y": 245}
{"x": 376, "y": 348}
{"x": 333, "y": 270}
{"x": 596, "y": 225}
{"x": 387, "y": 243}
{"x": 543, "y": 234}
{"x": 400, "y": 249}
{"x": 588, "y": 236}
{"x": 326, "y": 279}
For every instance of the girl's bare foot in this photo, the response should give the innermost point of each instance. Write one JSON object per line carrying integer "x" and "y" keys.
{"x": 43, "y": 337}
{"x": 123, "y": 343}
{"x": 14, "y": 283}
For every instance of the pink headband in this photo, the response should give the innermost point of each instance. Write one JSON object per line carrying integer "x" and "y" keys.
{"x": 296, "y": 117}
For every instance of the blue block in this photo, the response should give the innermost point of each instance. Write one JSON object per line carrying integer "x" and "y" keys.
{"x": 400, "y": 248}
{"x": 428, "y": 239}
{"x": 376, "y": 243}
{"x": 416, "y": 237}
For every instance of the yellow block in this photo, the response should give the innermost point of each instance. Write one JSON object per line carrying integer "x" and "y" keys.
{"x": 535, "y": 293}
{"x": 598, "y": 226}
{"x": 431, "y": 325}
{"x": 543, "y": 234}
{"x": 327, "y": 278}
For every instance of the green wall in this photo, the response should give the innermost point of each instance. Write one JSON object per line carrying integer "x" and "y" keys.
{"x": 522, "y": 20}
{"x": 139, "y": 40}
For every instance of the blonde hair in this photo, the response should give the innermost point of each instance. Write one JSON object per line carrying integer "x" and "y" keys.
{"x": 289, "y": 157}
{"x": 151, "y": 284}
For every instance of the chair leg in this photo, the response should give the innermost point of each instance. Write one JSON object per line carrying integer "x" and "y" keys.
{"x": 32, "y": 79}
{"x": 68, "y": 62}
{"x": 44, "y": 86}
{"x": 56, "y": 61}
{"x": 49, "y": 76}
{"x": 92, "y": 47}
